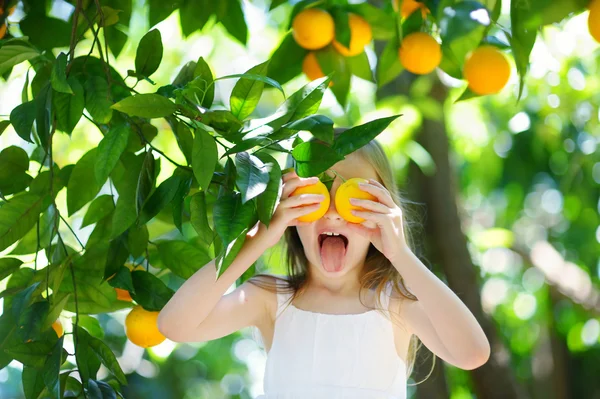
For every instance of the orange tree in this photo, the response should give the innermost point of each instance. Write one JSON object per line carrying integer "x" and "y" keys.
{"x": 229, "y": 182}
{"x": 230, "y": 179}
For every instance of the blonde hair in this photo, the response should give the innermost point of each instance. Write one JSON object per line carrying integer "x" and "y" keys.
{"x": 379, "y": 272}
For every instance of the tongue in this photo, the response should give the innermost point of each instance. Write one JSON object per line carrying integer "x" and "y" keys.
{"x": 333, "y": 251}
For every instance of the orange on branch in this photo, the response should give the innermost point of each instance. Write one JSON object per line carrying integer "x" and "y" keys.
{"x": 58, "y": 328}
{"x": 360, "y": 35}
{"x": 311, "y": 67}
{"x": 317, "y": 188}
{"x": 420, "y": 53}
{"x": 141, "y": 327}
{"x": 487, "y": 70}
{"x": 313, "y": 28}
{"x": 123, "y": 295}
{"x": 3, "y": 28}
{"x": 410, "y": 6}
{"x": 594, "y": 20}
{"x": 350, "y": 189}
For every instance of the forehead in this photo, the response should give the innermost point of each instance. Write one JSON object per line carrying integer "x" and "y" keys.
{"x": 354, "y": 165}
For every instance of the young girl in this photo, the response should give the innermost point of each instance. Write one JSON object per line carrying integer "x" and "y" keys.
{"x": 341, "y": 324}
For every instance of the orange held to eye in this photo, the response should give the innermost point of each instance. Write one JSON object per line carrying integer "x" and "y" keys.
{"x": 350, "y": 189}
{"x": 141, "y": 327}
{"x": 420, "y": 53}
{"x": 313, "y": 28}
{"x": 487, "y": 70}
{"x": 360, "y": 36}
{"x": 317, "y": 188}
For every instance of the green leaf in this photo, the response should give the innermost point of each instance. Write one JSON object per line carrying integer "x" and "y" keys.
{"x": 45, "y": 32}
{"x": 146, "y": 106}
{"x": 3, "y": 126}
{"x": 107, "y": 357}
{"x": 32, "y": 354}
{"x": 203, "y": 71}
{"x": 87, "y": 360}
{"x": 100, "y": 208}
{"x": 305, "y": 101}
{"x": 22, "y": 117}
{"x": 246, "y": 92}
{"x": 11, "y": 55}
{"x": 8, "y": 266}
{"x": 382, "y": 22}
{"x": 51, "y": 369}
{"x": 82, "y": 186}
{"x": 233, "y": 20}
{"x": 150, "y": 291}
{"x": 267, "y": 201}
{"x": 33, "y": 382}
{"x": 137, "y": 240}
{"x": 97, "y": 99}
{"x": 57, "y": 305}
{"x": 194, "y": 14}
{"x": 199, "y": 218}
{"x": 286, "y": 60}
{"x": 359, "y": 66}
{"x": 229, "y": 253}
{"x": 14, "y": 162}
{"x": 162, "y": 196}
{"x": 58, "y": 78}
{"x": 149, "y": 53}
{"x": 109, "y": 151}
{"x": 356, "y": 137}
{"x": 523, "y": 38}
{"x": 47, "y": 229}
{"x": 159, "y": 10}
{"x": 204, "y": 157}
{"x": 124, "y": 216}
{"x": 69, "y": 107}
{"x": 342, "y": 28}
{"x": 146, "y": 181}
{"x": 319, "y": 125}
{"x": 313, "y": 158}
{"x": 184, "y": 137}
{"x": 252, "y": 176}
{"x": 231, "y": 216}
{"x": 182, "y": 258}
{"x": 18, "y": 216}
{"x": 91, "y": 324}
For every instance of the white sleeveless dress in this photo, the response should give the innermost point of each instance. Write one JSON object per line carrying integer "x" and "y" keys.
{"x": 329, "y": 356}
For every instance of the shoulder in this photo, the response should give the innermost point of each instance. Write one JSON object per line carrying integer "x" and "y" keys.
{"x": 263, "y": 288}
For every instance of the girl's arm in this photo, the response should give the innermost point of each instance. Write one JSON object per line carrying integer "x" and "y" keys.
{"x": 199, "y": 311}
{"x": 439, "y": 318}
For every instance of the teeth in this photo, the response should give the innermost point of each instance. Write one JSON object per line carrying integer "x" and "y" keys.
{"x": 330, "y": 233}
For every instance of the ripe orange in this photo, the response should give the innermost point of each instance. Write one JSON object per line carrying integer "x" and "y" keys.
{"x": 311, "y": 67}
{"x": 420, "y": 53}
{"x": 360, "y": 36}
{"x": 487, "y": 70}
{"x": 594, "y": 20}
{"x": 313, "y": 28}
{"x": 349, "y": 189}
{"x": 317, "y": 188}
{"x": 123, "y": 295}
{"x": 410, "y": 6}
{"x": 57, "y": 326}
{"x": 141, "y": 327}
{"x": 3, "y": 28}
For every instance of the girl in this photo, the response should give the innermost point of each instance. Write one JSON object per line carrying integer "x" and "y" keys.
{"x": 341, "y": 324}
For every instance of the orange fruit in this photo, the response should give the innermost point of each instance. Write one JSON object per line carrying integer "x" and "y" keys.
{"x": 350, "y": 189}
{"x": 594, "y": 20}
{"x": 360, "y": 36}
{"x": 420, "y": 53}
{"x": 141, "y": 327}
{"x": 311, "y": 67}
{"x": 313, "y": 28}
{"x": 487, "y": 70}
{"x": 57, "y": 326}
{"x": 410, "y": 6}
{"x": 3, "y": 28}
{"x": 317, "y": 188}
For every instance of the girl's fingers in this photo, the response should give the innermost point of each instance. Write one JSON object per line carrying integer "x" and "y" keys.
{"x": 302, "y": 199}
{"x": 370, "y": 205}
{"x": 294, "y": 213}
{"x": 382, "y": 194}
{"x": 287, "y": 176}
{"x": 293, "y": 184}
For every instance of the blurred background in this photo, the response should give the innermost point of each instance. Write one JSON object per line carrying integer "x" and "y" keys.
{"x": 523, "y": 175}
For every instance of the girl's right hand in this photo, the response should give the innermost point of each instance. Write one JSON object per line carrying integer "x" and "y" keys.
{"x": 290, "y": 207}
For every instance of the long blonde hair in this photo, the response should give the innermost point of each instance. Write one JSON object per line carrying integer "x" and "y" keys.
{"x": 379, "y": 272}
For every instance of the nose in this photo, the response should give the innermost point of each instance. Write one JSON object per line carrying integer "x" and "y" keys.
{"x": 332, "y": 213}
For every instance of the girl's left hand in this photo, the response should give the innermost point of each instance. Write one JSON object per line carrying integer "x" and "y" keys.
{"x": 387, "y": 235}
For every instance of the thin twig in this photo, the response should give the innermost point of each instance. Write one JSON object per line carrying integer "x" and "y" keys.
{"x": 75, "y": 235}
{"x": 73, "y": 33}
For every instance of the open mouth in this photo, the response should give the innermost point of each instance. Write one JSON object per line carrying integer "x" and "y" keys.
{"x": 332, "y": 247}
{"x": 326, "y": 235}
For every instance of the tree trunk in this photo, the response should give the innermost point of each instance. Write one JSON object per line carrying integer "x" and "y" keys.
{"x": 449, "y": 250}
